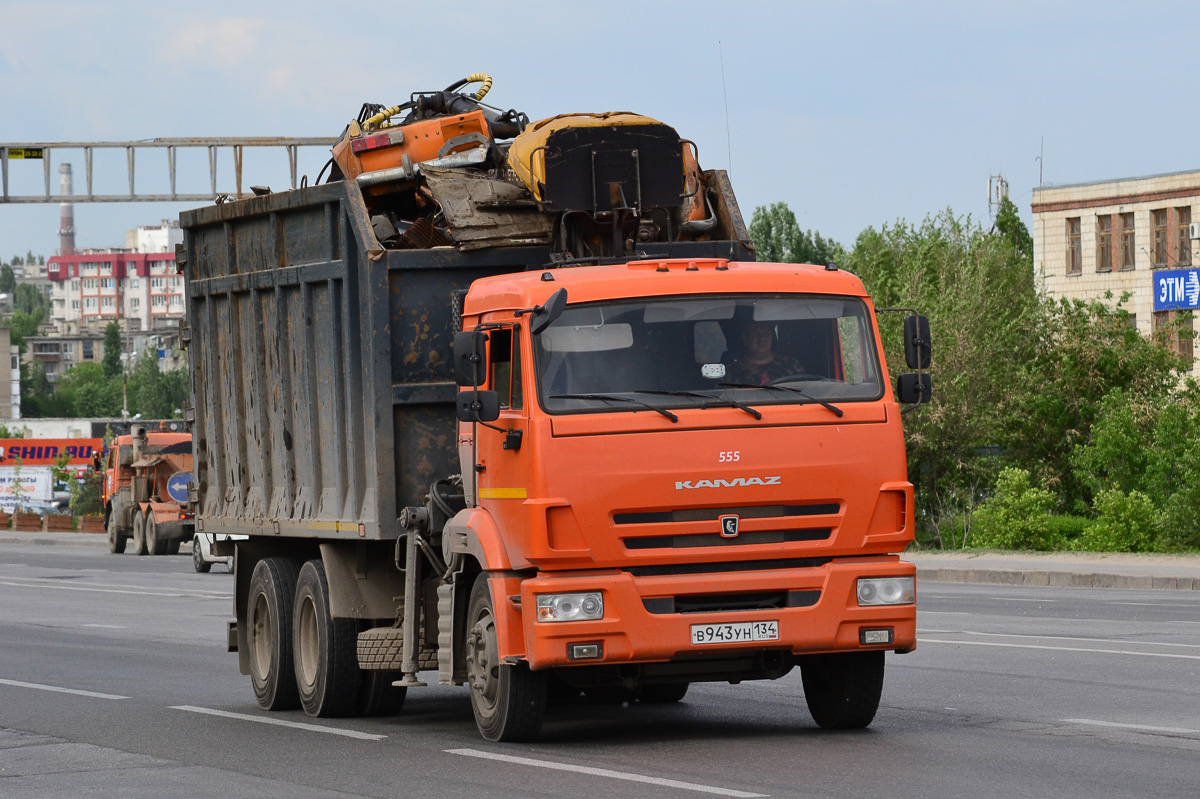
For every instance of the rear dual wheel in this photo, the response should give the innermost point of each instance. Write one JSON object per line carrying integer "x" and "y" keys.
{"x": 155, "y": 543}
{"x": 139, "y": 534}
{"x": 327, "y": 674}
{"x": 269, "y": 634}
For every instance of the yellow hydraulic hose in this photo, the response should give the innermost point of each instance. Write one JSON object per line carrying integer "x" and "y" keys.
{"x": 388, "y": 113}
{"x": 485, "y": 79}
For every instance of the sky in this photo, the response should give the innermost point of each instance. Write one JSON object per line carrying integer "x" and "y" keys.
{"x": 856, "y": 114}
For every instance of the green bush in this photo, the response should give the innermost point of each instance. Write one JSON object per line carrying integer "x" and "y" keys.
{"x": 1016, "y": 516}
{"x": 1125, "y": 523}
{"x": 1068, "y": 529}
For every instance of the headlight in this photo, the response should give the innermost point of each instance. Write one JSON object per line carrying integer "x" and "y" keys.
{"x": 570, "y": 607}
{"x": 886, "y": 590}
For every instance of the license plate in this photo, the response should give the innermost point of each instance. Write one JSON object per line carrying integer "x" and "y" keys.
{"x": 742, "y": 632}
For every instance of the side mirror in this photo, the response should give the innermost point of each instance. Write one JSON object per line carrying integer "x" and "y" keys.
{"x": 917, "y": 346}
{"x": 478, "y": 406}
{"x": 544, "y": 315}
{"x": 913, "y": 388}
{"x": 470, "y": 353}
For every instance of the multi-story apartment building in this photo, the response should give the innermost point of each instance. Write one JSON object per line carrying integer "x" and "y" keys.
{"x": 115, "y": 284}
{"x": 1132, "y": 236}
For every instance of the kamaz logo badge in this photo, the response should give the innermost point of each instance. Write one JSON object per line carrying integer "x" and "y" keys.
{"x": 729, "y": 526}
{"x": 736, "y": 482}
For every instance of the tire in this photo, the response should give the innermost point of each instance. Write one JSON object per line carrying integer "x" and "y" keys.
{"x": 201, "y": 565}
{"x": 326, "y": 649}
{"x": 377, "y": 696}
{"x": 116, "y": 541}
{"x": 155, "y": 544}
{"x": 173, "y": 546}
{"x": 663, "y": 693}
{"x": 843, "y": 690}
{"x": 509, "y": 701}
{"x": 269, "y": 633}
{"x": 139, "y": 534}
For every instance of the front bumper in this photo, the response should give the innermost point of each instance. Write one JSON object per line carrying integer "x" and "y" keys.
{"x": 642, "y": 622}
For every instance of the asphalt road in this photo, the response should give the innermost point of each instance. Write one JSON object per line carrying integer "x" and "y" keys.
{"x": 114, "y": 682}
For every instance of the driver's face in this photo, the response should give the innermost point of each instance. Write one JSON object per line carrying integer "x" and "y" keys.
{"x": 758, "y": 338}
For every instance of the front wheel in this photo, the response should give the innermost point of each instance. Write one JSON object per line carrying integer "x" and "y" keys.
{"x": 843, "y": 689}
{"x": 198, "y": 562}
{"x": 508, "y": 700}
{"x": 139, "y": 534}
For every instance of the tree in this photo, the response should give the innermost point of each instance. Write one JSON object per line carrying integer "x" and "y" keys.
{"x": 112, "y": 350}
{"x": 8, "y": 281}
{"x": 29, "y": 300}
{"x": 23, "y": 326}
{"x": 778, "y": 238}
{"x": 1009, "y": 225}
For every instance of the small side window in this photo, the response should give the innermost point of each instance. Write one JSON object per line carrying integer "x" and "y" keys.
{"x": 505, "y": 372}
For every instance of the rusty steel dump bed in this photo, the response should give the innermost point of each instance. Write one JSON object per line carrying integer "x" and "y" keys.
{"x": 322, "y": 382}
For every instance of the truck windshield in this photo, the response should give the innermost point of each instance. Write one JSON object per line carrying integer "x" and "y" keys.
{"x": 684, "y": 352}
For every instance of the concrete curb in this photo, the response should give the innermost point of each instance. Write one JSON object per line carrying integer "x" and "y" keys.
{"x": 55, "y": 539}
{"x": 1057, "y": 579}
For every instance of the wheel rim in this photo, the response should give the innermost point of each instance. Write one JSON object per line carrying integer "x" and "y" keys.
{"x": 197, "y": 558}
{"x": 307, "y": 642}
{"x": 262, "y": 628}
{"x": 483, "y": 668}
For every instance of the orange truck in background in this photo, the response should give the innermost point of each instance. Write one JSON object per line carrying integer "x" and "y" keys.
{"x": 146, "y": 479}
{"x": 527, "y": 417}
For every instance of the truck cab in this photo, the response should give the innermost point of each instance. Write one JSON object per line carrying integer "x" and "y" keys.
{"x": 736, "y": 515}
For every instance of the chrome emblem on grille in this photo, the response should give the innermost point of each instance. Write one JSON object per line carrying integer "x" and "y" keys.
{"x": 729, "y": 526}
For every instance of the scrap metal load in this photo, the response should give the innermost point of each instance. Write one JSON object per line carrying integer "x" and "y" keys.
{"x": 456, "y": 172}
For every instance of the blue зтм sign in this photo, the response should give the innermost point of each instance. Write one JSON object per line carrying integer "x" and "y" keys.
{"x": 1178, "y": 288}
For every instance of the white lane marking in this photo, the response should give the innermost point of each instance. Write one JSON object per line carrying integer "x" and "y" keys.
{"x": 56, "y": 689}
{"x": 1157, "y": 604}
{"x": 1060, "y": 638}
{"x": 1119, "y": 725}
{"x": 603, "y": 772}
{"x": 299, "y": 725}
{"x": 1020, "y": 599}
{"x": 1062, "y": 648}
{"x": 115, "y": 591}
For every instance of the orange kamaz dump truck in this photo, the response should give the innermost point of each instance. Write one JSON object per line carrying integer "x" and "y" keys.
{"x": 510, "y": 405}
{"x": 146, "y": 478}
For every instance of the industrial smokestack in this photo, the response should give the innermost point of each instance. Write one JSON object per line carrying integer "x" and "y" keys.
{"x": 66, "y": 228}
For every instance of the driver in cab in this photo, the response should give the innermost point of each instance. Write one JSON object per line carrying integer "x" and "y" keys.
{"x": 759, "y": 364}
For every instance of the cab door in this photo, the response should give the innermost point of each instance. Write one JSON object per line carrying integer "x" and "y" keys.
{"x": 504, "y": 482}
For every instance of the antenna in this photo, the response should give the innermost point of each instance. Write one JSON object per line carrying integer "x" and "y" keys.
{"x": 1041, "y": 159}
{"x": 724, "y": 91}
{"x": 997, "y": 192}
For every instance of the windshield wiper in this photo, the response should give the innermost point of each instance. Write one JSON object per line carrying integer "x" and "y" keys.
{"x": 614, "y": 398}
{"x": 838, "y": 411}
{"x": 702, "y": 395}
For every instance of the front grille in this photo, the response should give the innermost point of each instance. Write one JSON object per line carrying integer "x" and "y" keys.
{"x": 728, "y": 566}
{"x": 717, "y": 540}
{"x": 712, "y": 514}
{"x": 723, "y": 603}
